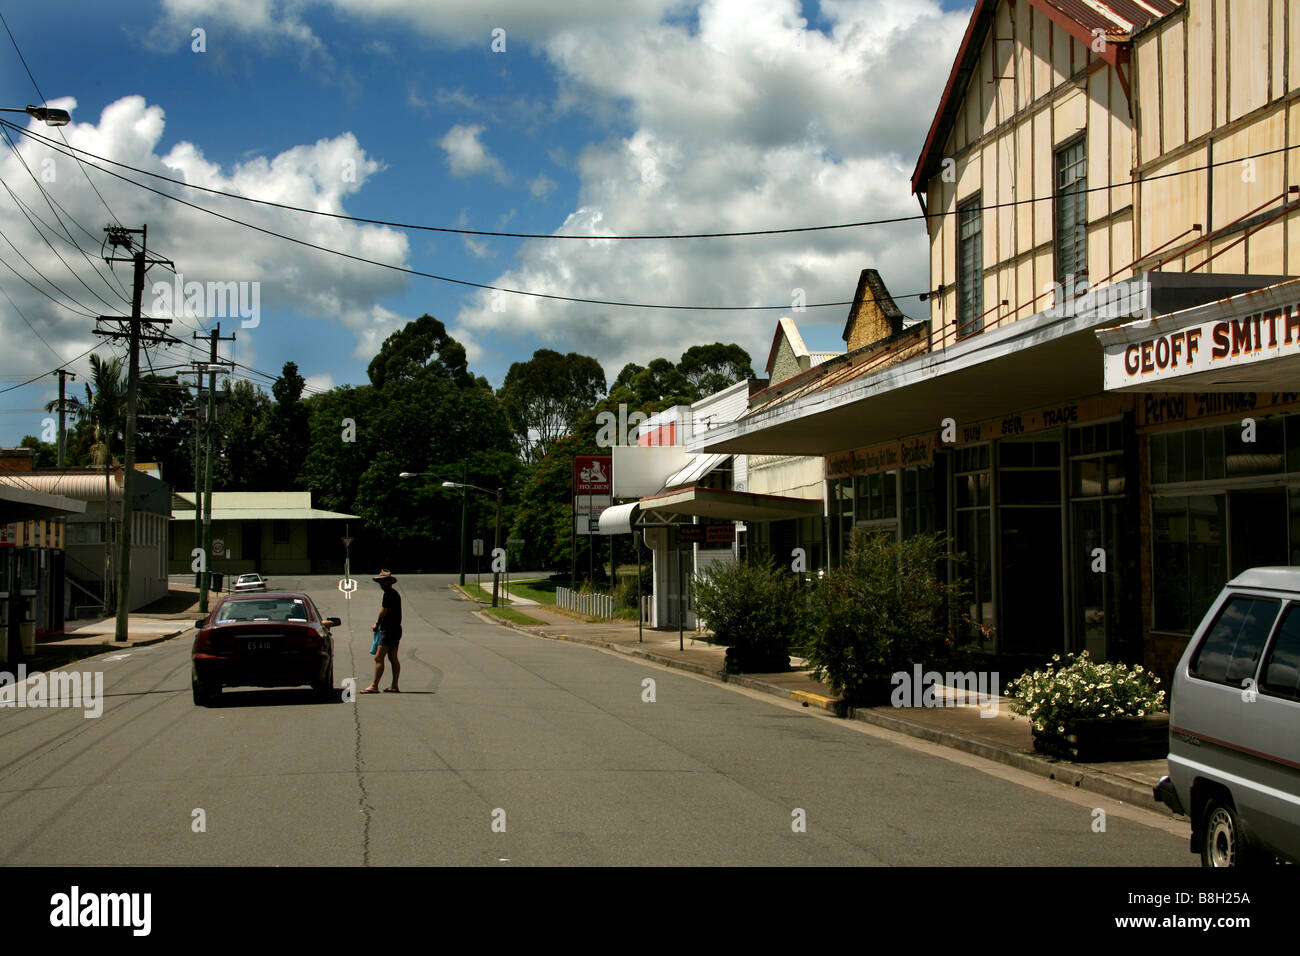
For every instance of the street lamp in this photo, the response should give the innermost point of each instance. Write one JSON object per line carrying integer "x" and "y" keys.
{"x": 463, "y": 503}
{"x": 48, "y": 115}
{"x": 496, "y": 541}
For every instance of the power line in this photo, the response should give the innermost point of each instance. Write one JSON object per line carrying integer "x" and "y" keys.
{"x": 891, "y": 220}
{"x": 29, "y": 324}
{"x": 477, "y": 285}
{"x": 84, "y": 312}
{"x": 45, "y": 195}
{"x": 35, "y": 378}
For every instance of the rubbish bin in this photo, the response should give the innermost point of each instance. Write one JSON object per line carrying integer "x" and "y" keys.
{"x": 217, "y": 580}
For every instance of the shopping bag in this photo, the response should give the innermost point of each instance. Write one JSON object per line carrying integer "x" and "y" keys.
{"x": 374, "y": 645}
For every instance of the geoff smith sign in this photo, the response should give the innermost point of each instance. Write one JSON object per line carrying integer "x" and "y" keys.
{"x": 1215, "y": 353}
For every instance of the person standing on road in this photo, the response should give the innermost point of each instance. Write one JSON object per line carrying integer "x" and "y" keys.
{"x": 390, "y": 623}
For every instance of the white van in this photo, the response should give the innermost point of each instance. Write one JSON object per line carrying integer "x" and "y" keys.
{"x": 1234, "y": 724}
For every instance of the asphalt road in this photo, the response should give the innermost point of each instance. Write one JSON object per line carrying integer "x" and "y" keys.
{"x": 497, "y": 731}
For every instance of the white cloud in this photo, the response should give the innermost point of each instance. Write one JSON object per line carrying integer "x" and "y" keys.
{"x": 290, "y": 279}
{"x": 467, "y": 156}
{"x": 751, "y": 121}
{"x": 541, "y": 186}
{"x": 479, "y": 249}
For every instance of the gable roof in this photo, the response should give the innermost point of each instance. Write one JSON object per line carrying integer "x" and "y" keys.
{"x": 871, "y": 286}
{"x": 786, "y": 328}
{"x": 1117, "y": 19}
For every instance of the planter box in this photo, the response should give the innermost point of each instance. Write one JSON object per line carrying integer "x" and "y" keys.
{"x": 1096, "y": 739}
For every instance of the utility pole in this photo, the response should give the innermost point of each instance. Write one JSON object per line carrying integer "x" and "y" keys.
{"x": 130, "y": 329}
{"x": 63, "y": 375}
{"x": 214, "y": 336}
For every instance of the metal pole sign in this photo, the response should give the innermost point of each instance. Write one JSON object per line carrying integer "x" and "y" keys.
{"x": 346, "y": 584}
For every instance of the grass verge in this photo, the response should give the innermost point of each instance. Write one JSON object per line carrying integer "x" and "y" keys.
{"x": 515, "y": 617}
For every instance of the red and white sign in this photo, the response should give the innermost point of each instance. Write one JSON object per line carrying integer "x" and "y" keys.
{"x": 593, "y": 475}
{"x": 347, "y": 542}
{"x": 9, "y": 535}
{"x": 1235, "y": 350}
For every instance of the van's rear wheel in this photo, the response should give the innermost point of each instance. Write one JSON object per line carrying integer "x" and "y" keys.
{"x": 1222, "y": 842}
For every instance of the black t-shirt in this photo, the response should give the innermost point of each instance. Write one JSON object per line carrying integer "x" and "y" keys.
{"x": 392, "y": 604}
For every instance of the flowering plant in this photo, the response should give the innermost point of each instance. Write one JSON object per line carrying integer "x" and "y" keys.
{"x": 1084, "y": 688}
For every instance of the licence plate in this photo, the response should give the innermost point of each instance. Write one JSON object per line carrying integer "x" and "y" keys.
{"x": 256, "y": 644}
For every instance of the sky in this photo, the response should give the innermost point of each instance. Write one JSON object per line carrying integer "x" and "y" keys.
{"x": 575, "y": 117}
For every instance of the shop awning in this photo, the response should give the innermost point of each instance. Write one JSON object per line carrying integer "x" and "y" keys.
{"x": 729, "y": 505}
{"x": 1043, "y": 360}
{"x": 1246, "y": 343}
{"x": 24, "y": 504}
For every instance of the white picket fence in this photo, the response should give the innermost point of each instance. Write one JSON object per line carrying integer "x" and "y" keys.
{"x": 593, "y": 605}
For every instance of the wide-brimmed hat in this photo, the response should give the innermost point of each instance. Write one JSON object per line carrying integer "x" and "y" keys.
{"x": 385, "y": 577}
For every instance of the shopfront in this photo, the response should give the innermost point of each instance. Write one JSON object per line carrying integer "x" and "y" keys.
{"x": 1220, "y": 468}
{"x": 1037, "y": 503}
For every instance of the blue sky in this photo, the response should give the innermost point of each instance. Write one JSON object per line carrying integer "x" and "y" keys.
{"x": 644, "y": 116}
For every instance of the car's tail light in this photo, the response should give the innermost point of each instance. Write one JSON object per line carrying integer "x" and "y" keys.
{"x": 203, "y": 643}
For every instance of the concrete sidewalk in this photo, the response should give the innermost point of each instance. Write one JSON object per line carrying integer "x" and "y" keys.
{"x": 1003, "y": 737}
{"x": 170, "y": 617}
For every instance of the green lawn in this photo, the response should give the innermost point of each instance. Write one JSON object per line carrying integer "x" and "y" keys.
{"x": 480, "y": 593}
{"x": 536, "y": 589}
{"x": 515, "y": 617}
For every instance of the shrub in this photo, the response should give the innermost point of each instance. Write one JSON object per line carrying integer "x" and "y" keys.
{"x": 753, "y": 609}
{"x": 884, "y": 609}
{"x": 1084, "y": 688}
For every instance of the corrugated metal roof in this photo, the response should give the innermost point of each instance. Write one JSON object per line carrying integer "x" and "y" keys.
{"x": 265, "y": 514}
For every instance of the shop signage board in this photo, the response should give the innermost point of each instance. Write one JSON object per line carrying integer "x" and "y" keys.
{"x": 593, "y": 489}
{"x": 1168, "y": 408}
{"x": 592, "y": 475}
{"x": 920, "y": 449}
{"x": 1216, "y": 352}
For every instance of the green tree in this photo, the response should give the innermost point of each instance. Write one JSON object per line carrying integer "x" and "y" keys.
{"x": 545, "y": 397}
{"x": 422, "y": 347}
{"x": 711, "y": 368}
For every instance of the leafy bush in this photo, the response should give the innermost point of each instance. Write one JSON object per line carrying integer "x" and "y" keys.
{"x": 1084, "y": 688}
{"x": 884, "y": 609}
{"x": 753, "y": 609}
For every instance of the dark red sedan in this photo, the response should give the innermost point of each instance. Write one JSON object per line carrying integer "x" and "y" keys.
{"x": 263, "y": 640}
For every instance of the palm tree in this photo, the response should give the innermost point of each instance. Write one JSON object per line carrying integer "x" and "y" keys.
{"x": 104, "y": 407}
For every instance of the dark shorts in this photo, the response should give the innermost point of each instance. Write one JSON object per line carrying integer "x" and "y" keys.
{"x": 391, "y": 637}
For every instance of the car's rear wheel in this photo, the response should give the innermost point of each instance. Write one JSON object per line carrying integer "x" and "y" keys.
{"x": 205, "y": 695}
{"x": 1222, "y": 842}
{"x": 325, "y": 688}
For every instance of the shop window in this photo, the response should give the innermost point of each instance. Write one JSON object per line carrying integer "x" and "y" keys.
{"x": 1263, "y": 456}
{"x": 1281, "y": 673}
{"x": 281, "y": 531}
{"x": 1230, "y": 652}
{"x": 918, "y": 500}
{"x": 1292, "y": 426}
{"x": 1189, "y": 558}
{"x": 970, "y": 267}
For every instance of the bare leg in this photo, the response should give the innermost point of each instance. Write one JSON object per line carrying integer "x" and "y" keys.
{"x": 379, "y": 669}
{"x": 397, "y": 668}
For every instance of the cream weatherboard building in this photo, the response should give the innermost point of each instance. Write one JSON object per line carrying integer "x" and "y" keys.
{"x": 1090, "y": 165}
{"x": 271, "y": 532}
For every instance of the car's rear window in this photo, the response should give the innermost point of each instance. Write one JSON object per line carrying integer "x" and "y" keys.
{"x": 1282, "y": 666}
{"x": 1229, "y": 653}
{"x": 273, "y": 609}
